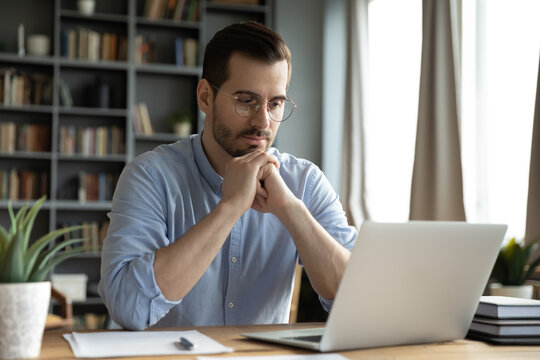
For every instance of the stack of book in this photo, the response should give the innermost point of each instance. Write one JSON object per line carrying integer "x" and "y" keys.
{"x": 506, "y": 320}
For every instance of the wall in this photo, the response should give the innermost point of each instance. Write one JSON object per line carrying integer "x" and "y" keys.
{"x": 333, "y": 87}
{"x": 300, "y": 22}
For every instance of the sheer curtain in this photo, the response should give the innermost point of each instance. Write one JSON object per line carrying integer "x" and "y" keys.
{"x": 353, "y": 158}
{"x": 533, "y": 201}
{"x": 437, "y": 188}
{"x": 378, "y": 144}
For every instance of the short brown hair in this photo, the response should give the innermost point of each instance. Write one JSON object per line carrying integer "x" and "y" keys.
{"x": 248, "y": 38}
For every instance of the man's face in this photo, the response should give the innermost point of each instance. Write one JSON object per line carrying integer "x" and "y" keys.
{"x": 239, "y": 135}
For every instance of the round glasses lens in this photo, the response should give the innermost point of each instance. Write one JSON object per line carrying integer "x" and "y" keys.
{"x": 281, "y": 110}
{"x": 247, "y": 106}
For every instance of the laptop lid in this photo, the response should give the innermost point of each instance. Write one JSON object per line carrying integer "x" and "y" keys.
{"x": 407, "y": 283}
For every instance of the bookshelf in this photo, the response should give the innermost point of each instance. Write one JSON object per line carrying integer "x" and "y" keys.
{"x": 76, "y": 104}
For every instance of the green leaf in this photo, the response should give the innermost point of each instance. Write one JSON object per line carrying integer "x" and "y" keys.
{"x": 27, "y": 222}
{"x": 21, "y": 261}
{"x": 20, "y": 216}
{"x": 40, "y": 275}
{"x": 4, "y": 243}
{"x": 511, "y": 265}
{"x": 13, "y": 228}
{"x": 39, "y": 245}
{"x": 530, "y": 271}
{"x": 12, "y": 269}
{"x": 49, "y": 254}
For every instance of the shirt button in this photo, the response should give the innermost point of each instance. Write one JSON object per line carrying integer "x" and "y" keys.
{"x": 233, "y": 259}
{"x": 215, "y": 189}
{"x": 231, "y": 305}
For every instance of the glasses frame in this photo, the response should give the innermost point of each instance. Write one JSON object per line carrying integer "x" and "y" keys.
{"x": 259, "y": 106}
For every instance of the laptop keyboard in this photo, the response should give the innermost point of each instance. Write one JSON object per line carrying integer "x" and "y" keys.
{"x": 309, "y": 338}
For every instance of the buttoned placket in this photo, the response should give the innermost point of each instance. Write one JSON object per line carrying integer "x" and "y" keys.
{"x": 231, "y": 297}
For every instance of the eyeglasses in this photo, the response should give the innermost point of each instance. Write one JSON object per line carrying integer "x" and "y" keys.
{"x": 248, "y": 104}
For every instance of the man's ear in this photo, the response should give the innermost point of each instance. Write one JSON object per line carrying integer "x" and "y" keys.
{"x": 205, "y": 96}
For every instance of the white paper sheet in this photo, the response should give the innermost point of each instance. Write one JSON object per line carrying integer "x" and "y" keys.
{"x": 324, "y": 356}
{"x": 140, "y": 343}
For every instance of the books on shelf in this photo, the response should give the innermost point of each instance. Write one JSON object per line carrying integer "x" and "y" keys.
{"x": 89, "y": 321}
{"x": 186, "y": 51}
{"x": 97, "y": 141}
{"x": 92, "y": 232}
{"x": 91, "y": 45}
{"x": 17, "y": 184}
{"x": 506, "y": 320}
{"x": 141, "y": 120}
{"x": 65, "y": 94}
{"x": 96, "y": 187}
{"x": 145, "y": 50}
{"x": 24, "y": 137}
{"x": 191, "y": 49}
{"x": 237, "y": 2}
{"x": 176, "y": 10}
{"x": 18, "y": 88}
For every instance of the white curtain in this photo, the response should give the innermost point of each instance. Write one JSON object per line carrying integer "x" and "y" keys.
{"x": 353, "y": 185}
{"x": 533, "y": 201}
{"x": 437, "y": 186}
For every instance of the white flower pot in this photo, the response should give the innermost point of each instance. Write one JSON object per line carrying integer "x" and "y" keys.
{"x": 520, "y": 291}
{"x": 23, "y": 311}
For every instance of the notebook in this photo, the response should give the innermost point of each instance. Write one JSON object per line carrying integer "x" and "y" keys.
{"x": 405, "y": 283}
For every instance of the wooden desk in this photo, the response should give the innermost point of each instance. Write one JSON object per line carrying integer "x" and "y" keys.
{"x": 55, "y": 347}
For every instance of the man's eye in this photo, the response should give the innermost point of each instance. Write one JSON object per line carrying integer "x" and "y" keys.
{"x": 247, "y": 100}
{"x": 277, "y": 103}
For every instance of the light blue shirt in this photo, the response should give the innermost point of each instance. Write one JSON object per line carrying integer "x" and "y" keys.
{"x": 162, "y": 194}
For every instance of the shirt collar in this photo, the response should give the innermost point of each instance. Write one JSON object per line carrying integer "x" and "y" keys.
{"x": 205, "y": 168}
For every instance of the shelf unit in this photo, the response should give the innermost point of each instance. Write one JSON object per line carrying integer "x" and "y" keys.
{"x": 162, "y": 85}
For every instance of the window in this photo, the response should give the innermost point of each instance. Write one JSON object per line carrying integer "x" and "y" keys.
{"x": 501, "y": 42}
{"x": 500, "y": 54}
{"x": 395, "y": 45}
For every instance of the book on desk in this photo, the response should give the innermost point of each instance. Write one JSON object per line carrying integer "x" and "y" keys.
{"x": 506, "y": 320}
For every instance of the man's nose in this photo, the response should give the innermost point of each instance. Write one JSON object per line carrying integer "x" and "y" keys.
{"x": 261, "y": 119}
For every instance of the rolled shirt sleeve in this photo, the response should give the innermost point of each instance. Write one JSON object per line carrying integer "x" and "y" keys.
{"x": 137, "y": 230}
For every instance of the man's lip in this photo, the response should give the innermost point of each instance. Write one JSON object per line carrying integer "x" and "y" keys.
{"x": 254, "y": 140}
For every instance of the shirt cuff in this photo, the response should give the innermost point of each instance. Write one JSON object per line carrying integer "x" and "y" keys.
{"x": 159, "y": 304}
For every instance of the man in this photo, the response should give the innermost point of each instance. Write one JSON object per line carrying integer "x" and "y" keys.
{"x": 207, "y": 231}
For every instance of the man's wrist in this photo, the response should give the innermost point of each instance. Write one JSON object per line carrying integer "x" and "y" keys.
{"x": 229, "y": 209}
{"x": 292, "y": 209}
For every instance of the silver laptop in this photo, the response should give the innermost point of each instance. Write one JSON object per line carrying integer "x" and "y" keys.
{"x": 406, "y": 283}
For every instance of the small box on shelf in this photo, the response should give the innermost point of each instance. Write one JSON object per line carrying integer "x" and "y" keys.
{"x": 71, "y": 285}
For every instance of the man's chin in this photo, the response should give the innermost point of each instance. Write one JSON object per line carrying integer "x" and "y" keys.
{"x": 242, "y": 152}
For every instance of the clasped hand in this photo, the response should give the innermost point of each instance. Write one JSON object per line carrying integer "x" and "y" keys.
{"x": 253, "y": 181}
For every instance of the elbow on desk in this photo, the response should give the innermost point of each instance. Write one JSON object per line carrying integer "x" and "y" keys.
{"x": 124, "y": 310}
{"x": 126, "y": 314}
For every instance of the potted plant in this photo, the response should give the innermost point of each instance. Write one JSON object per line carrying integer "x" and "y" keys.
{"x": 24, "y": 295}
{"x": 513, "y": 268}
{"x": 181, "y": 122}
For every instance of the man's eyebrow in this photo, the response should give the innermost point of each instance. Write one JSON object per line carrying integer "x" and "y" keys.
{"x": 247, "y": 92}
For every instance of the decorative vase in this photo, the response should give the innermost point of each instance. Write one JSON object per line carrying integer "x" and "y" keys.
{"x": 182, "y": 128}
{"x": 23, "y": 309}
{"x": 86, "y": 7}
{"x": 520, "y": 291}
{"x": 39, "y": 44}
